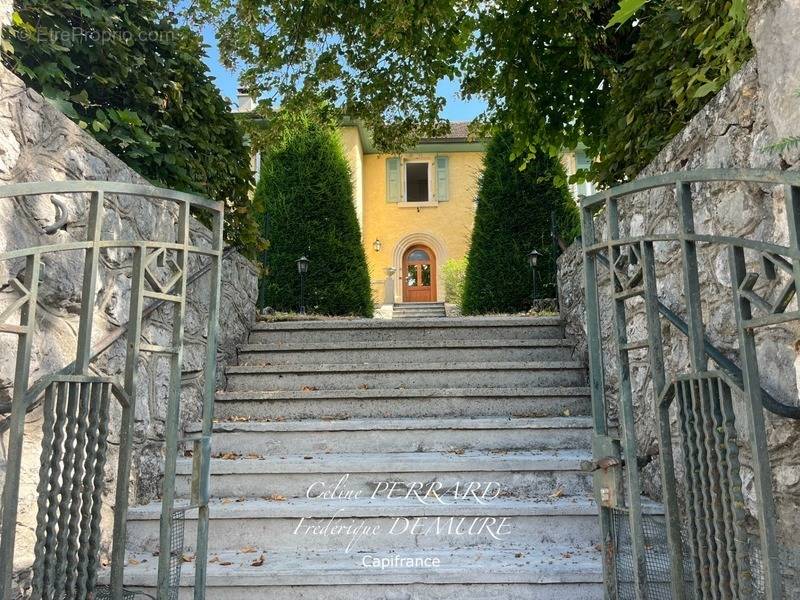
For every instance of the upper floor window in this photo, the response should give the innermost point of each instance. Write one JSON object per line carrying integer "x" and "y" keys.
{"x": 417, "y": 182}
{"x": 587, "y": 188}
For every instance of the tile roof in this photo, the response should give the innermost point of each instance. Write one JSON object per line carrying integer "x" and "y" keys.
{"x": 459, "y": 131}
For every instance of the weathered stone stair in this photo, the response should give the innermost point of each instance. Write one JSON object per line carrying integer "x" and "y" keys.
{"x": 354, "y": 423}
{"x": 418, "y": 310}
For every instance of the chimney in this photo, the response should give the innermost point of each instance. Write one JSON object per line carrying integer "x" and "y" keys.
{"x": 246, "y": 102}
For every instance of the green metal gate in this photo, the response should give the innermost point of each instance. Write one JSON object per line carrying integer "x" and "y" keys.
{"x": 76, "y": 401}
{"x": 702, "y": 547}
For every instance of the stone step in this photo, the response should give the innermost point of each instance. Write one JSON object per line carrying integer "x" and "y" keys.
{"x": 407, "y": 375}
{"x": 422, "y": 402}
{"x": 423, "y": 307}
{"x": 408, "y": 351}
{"x": 462, "y": 328}
{"x": 428, "y": 305}
{"x": 379, "y": 525}
{"x": 525, "y": 573}
{"x": 399, "y": 435}
{"x": 418, "y": 313}
{"x": 521, "y": 474}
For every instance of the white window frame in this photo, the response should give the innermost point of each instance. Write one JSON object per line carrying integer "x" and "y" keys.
{"x": 431, "y": 195}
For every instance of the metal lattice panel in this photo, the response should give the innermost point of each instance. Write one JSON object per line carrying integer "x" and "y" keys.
{"x": 71, "y": 476}
{"x": 657, "y": 557}
{"x": 714, "y": 503}
{"x": 176, "y": 551}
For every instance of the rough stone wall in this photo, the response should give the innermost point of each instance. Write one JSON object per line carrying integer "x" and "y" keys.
{"x": 37, "y": 143}
{"x": 755, "y": 109}
{"x": 6, "y": 8}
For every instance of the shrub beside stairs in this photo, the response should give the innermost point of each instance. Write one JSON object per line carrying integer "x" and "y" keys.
{"x": 332, "y": 434}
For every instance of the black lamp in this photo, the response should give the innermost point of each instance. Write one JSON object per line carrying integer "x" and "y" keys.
{"x": 533, "y": 261}
{"x": 302, "y": 268}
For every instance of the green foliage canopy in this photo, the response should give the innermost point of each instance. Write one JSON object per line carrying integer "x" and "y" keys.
{"x": 126, "y": 73}
{"x": 307, "y": 190}
{"x": 513, "y": 218}
{"x": 553, "y": 70}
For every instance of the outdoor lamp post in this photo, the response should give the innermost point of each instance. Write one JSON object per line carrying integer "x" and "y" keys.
{"x": 533, "y": 260}
{"x": 377, "y": 245}
{"x": 302, "y": 268}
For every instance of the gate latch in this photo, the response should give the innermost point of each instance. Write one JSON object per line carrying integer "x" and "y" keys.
{"x": 605, "y": 463}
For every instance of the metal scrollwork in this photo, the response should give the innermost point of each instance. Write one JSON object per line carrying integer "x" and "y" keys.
{"x": 76, "y": 403}
{"x": 708, "y": 524}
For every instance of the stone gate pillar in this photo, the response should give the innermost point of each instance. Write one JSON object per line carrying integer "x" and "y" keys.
{"x": 388, "y": 286}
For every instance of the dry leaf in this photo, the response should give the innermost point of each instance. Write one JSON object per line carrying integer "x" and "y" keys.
{"x": 253, "y": 455}
{"x": 558, "y": 493}
{"x": 214, "y": 559}
{"x": 225, "y": 563}
{"x": 247, "y": 550}
{"x": 308, "y": 388}
{"x": 133, "y": 561}
{"x": 258, "y": 562}
{"x": 567, "y": 413}
{"x": 185, "y": 557}
{"x": 276, "y": 498}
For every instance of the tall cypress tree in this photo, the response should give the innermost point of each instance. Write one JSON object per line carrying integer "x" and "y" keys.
{"x": 515, "y": 203}
{"x": 307, "y": 192}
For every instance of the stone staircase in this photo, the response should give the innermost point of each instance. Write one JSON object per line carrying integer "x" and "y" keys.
{"x": 369, "y": 459}
{"x": 418, "y": 310}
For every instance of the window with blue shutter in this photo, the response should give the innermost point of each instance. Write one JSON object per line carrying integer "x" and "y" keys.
{"x": 393, "y": 179}
{"x": 582, "y": 162}
{"x": 442, "y": 179}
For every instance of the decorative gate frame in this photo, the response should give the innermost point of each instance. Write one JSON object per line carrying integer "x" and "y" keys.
{"x": 719, "y": 565}
{"x": 75, "y": 424}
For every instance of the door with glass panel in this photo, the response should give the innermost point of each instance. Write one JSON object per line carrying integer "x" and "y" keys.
{"x": 419, "y": 275}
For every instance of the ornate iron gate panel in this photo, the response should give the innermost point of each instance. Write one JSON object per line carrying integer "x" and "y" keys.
{"x": 76, "y": 402}
{"x": 702, "y": 548}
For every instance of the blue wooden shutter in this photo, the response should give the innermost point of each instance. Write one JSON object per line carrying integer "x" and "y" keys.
{"x": 442, "y": 179}
{"x": 393, "y": 179}
{"x": 582, "y": 162}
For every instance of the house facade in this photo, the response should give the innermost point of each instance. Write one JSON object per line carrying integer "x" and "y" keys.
{"x": 416, "y": 210}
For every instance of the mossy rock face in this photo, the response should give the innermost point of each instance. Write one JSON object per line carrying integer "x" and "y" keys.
{"x": 307, "y": 192}
{"x": 513, "y": 218}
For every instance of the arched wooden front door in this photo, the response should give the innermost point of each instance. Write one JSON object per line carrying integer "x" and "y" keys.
{"x": 419, "y": 275}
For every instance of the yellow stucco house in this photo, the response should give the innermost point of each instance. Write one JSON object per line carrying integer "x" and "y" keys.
{"x": 416, "y": 209}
